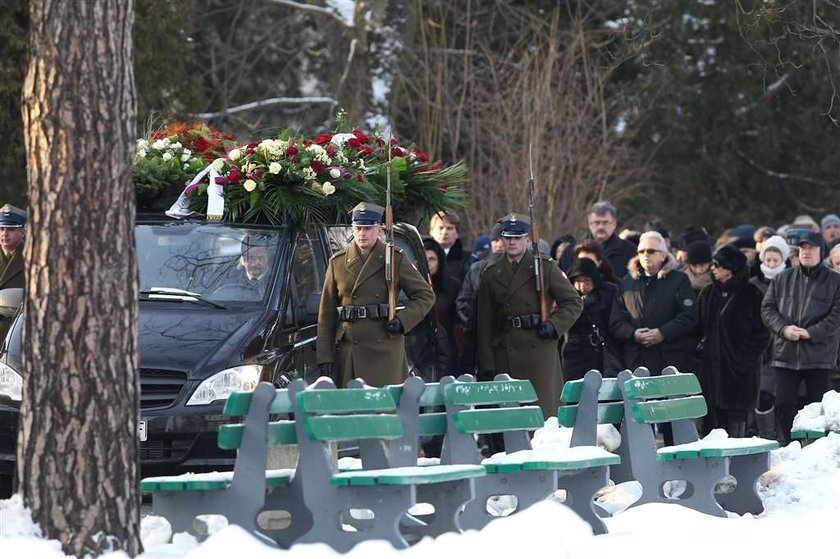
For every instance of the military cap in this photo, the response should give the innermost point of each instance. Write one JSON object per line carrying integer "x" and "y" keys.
{"x": 515, "y": 225}
{"x": 366, "y": 214}
{"x": 11, "y": 216}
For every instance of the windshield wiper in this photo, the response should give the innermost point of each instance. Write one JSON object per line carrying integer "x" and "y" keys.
{"x": 175, "y": 294}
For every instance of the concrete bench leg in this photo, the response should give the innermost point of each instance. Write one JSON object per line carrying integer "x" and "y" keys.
{"x": 702, "y": 474}
{"x": 448, "y": 499}
{"x": 528, "y": 487}
{"x": 581, "y": 488}
{"x": 746, "y": 470}
{"x": 388, "y": 504}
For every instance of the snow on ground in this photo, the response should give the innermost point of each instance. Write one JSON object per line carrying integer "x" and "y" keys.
{"x": 801, "y": 493}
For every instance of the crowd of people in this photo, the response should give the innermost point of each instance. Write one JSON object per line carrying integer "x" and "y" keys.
{"x": 754, "y": 312}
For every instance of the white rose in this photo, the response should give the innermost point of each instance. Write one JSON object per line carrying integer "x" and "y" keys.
{"x": 249, "y": 185}
{"x": 186, "y": 166}
{"x": 218, "y": 165}
{"x": 176, "y": 145}
{"x": 234, "y": 154}
{"x": 142, "y": 144}
{"x": 159, "y": 144}
{"x": 166, "y": 142}
{"x": 328, "y": 188}
{"x": 167, "y": 156}
{"x": 274, "y": 168}
{"x": 141, "y": 153}
{"x": 335, "y": 173}
{"x": 186, "y": 155}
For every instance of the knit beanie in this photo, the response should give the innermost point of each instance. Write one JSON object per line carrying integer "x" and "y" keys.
{"x": 779, "y": 244}
{"x": 699, "y": 252}
{"x": 730, "y": 258}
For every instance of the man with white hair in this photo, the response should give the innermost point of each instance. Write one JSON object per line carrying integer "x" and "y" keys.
{"x": 655, "y": 313}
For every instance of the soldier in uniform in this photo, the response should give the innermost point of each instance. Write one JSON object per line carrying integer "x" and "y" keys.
{"x": 12, "y": 230}
{"x": 12, "y": 222}
{"x": 512, "y": 338}
{"x": 355, "y": 337}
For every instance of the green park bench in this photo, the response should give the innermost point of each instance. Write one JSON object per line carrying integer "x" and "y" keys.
{"x": 506, "y": 406}
{"x": 676, "y": 398}
{"x": 239, "y": 495}
{"x": 806, "y": 436}
{"x": 324, "y": 415}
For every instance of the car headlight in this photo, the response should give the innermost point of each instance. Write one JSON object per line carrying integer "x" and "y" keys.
{"x": 224, "y": 383}
{"x": 11, "y": 383}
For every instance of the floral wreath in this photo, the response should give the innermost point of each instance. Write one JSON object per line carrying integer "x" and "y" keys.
{"x": 309, "y": 179}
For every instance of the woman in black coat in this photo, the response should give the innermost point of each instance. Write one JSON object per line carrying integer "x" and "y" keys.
{"x": 446, "y": 291}
{"x": 589, "y": 344}
{"x": 733, "y": 340}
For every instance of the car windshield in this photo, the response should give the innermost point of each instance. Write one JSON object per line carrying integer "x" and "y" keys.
{"x": 210, "y": 264}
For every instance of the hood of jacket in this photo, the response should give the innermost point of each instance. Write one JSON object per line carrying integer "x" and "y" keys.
{"x": 636, "y": 271}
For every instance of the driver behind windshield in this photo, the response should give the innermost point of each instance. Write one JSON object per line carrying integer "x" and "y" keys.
{"x": 255, "y": 262}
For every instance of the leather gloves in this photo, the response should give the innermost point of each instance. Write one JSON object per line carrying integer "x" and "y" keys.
{"x": 546, "y": 331}
{"x": 395, "y": 326}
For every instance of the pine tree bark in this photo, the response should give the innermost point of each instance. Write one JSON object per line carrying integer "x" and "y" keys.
{"x": 77, "y": 450}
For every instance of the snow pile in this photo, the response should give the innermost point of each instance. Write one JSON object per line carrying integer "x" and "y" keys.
{"x": 820, "y": 416}
{"x": 20, "y": 537}
{"x": 551, "y": 435}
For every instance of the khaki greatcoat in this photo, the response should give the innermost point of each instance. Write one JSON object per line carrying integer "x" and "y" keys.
{"x": 518, "y": 351}
{"x": 364, "y": 349}
{"x": 11, "y": 269}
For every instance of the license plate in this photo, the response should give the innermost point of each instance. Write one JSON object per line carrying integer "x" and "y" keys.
{"x": 141, "y": 430}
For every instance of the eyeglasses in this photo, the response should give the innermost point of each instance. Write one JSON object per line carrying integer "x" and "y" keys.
{"x": 648, "y": 251}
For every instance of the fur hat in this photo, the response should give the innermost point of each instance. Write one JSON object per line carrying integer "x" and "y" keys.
{"x": 777, "y": 243}
{"x": 731, "y": 258}
{"x": 699, "y": 252}
{"x": 585, "y": 267}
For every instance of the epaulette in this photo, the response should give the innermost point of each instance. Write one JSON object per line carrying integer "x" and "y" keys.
{"x": 336, "y": 254}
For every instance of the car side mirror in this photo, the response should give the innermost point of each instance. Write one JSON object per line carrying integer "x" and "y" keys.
{"x": 11, "y": 299}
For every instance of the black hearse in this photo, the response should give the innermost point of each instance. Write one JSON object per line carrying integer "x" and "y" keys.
{"x": 204, "y": 333}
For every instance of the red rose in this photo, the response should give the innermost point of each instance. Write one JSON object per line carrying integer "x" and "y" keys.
{"x": 358, "y": 133}
{"x": 291, "y": 150}
{"x": 249, "y": 151}
{"x": 157, "y": 135}
{"x": 318, "y": 167}
{"x": 444, "y": 186}
{"x": 397, "y": 152}
{"x": 359, "y": 178}
{"x": 234, "y": 175}
{"x": 252, "y": 145}
{"x": 354, "y": 142}
{"x": 201, "y": 145}
{"x": 330, "y": 151}
{"x": 322, "y": 139}
{"x": 366, "y": 150}
{"x": 422, "y": 157}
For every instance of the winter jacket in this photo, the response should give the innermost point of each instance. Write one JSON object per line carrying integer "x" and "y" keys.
{"x": 615, "y": 249}
{"x": 734, "y": 339}
{"x": 808, "y": 298}
{"x": 589, "y": 344}
{"x": 665, "y": 301}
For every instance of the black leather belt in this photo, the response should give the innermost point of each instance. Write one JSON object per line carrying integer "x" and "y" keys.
{"x": 352, "y": 313}
{"x": 525, "y": 321}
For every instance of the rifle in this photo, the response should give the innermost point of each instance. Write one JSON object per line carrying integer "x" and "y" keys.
{"x": 539, "y": 272}
{"x": 390, "y": 263}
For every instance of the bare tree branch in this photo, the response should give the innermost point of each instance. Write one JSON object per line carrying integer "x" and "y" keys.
{"x": 782, "y": 176}
{"x": 315, "y": 9}
{"x": 346, "y": 71}
{"x": 265, "y": 103}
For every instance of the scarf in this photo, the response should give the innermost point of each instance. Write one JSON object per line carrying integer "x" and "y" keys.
{"x": 771, "y": 273}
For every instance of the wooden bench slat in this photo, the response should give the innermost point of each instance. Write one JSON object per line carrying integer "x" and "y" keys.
{"x": 498, "y": 420}
{"x": 408, "y": 475}
{"x": 429, "y": 424}
{"x": 609, "y": 391}
{"x": 216, "y": 481}
{"x": 681, "y": 384}
{"x": 279, "y": 433}
{"x": 350, "y": 427}
{"x": 491, "y": 392}
{"x": 663, "y": 411}
{"x": 345, "y": 400}
{"x": 238, "y": 403}
{"x": 609, "y": 412}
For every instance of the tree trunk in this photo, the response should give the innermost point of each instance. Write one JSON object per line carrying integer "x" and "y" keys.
{"x": 77, "y": 450}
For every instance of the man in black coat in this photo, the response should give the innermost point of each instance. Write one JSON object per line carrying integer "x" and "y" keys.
{"x": 734, "y": 338}
{"x": 654, "y": 313}
{"x": 802, "y": 311}
{"x": 602, "y": 221}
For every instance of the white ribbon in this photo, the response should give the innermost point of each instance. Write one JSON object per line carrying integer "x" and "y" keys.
{"x": 215, "y": 199}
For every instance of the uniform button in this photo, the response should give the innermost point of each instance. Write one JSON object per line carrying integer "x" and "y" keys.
{"x": 355, "y": 343}
{"x": 378, "y": 295}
